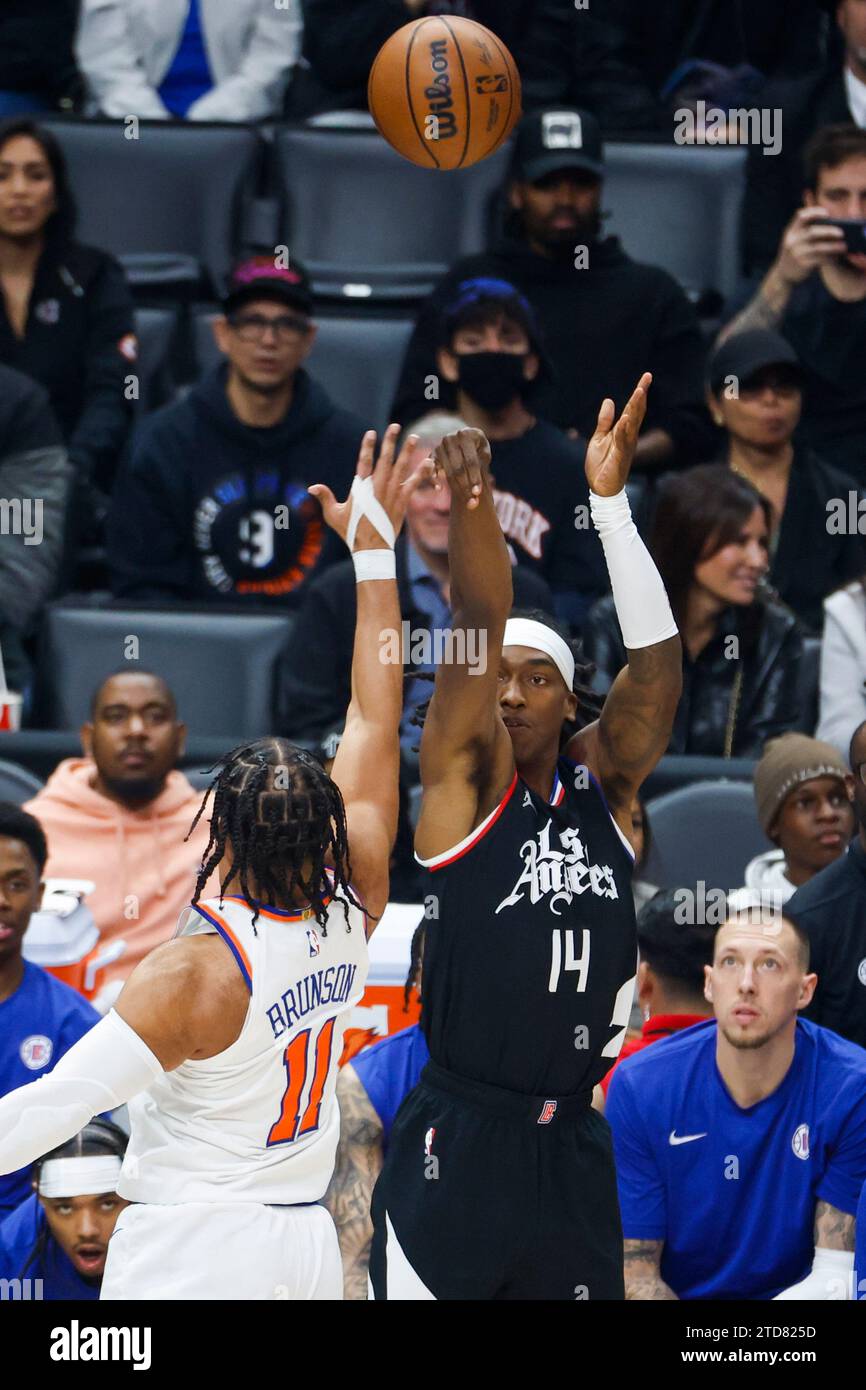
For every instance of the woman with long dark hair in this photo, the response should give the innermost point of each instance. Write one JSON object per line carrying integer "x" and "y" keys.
{"x": 741, "y": 647}
{"x": 65, "y": 309}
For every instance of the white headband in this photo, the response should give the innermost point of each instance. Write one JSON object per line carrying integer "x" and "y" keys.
{"x": 526, "y": 632}
{"x": 79, "y": 1177}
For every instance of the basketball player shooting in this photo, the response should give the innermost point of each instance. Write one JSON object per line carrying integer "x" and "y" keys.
{"x": 499, "y": 1179}
{"x": 227, "y": 1039}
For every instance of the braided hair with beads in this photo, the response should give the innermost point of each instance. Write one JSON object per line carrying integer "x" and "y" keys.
{"x": 283, "y": 819}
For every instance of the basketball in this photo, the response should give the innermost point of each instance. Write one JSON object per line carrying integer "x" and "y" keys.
{"x": 444, "y": 91}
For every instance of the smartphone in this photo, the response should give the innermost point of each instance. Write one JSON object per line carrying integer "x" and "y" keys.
{"x": 854, "y": 231}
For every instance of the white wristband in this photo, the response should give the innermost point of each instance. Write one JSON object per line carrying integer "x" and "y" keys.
{"x": 830, "y": 1279}
{"x": 374, "y": 564}
{"x": 639, "y": 596}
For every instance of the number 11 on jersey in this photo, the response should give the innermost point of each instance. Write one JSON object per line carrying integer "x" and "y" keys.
{"x": 291, "y": 1124}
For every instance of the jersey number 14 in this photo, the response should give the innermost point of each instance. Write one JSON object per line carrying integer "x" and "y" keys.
{"x": 564, "y": 959}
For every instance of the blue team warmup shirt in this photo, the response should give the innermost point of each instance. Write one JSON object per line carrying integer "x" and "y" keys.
{"x": 860, "y": 1248}
{"x": 389, "y": 1070}
{"x": 38, "y": 1023}
{"x": 19, "y": 1234}
{"x": 732, "y": 1192}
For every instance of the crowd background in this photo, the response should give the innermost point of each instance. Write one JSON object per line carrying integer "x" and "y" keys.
{"x": 214, "y": 276}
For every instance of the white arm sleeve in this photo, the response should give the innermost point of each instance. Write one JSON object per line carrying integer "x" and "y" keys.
{"x": 105, "y": 1068}
{"x": 639, "y": 595}
{"x": 829, "y": 1279}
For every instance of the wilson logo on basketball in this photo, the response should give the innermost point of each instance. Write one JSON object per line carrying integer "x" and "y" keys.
{"x": 438, "y": 94}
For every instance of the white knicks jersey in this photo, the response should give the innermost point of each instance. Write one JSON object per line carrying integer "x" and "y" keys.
{"x": 259, "y": 1122}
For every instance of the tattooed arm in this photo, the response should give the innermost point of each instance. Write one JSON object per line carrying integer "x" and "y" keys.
{"x": 358, "y": 1165}
{"x": 643, "y": 1281}
{"x": 834, "y": 1229}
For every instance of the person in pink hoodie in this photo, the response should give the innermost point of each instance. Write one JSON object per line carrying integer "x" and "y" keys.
{"x": 120, "y": 814}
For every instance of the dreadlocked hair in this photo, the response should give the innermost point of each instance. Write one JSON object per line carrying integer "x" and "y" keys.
{"x": 415, "y": 953}
{"x": 278, "y": 809}
{"x": 589, "y": 704}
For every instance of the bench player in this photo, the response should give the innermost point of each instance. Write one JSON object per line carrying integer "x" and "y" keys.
{"x": 499, "y": 1180}
{"x": 226, "y": 1040}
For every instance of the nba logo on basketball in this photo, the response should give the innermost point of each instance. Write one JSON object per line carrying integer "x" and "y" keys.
{"x": 547, "y": 1113}
{"x": 315, "y": 943}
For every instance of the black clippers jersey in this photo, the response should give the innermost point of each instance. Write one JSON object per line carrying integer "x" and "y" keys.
{"x": 531, "y": 946}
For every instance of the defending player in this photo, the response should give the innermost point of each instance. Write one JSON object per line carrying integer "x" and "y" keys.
{"x": 229, "y": 1037}
{"x": 499, "y": 1180}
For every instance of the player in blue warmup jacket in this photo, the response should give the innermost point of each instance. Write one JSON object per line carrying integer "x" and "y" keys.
{"x": 741, "y": 1142}
{"x": 860, "y": 1248}
{"x": 58, "y": 1238}
{"x": 40, "y": 1018}
{"x": 371, "y": 1088}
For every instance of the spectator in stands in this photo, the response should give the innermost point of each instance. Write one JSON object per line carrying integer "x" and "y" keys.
{"x": 60, "y": 1233}
{"x": 34, "y": 482}
{"x": 670, "y": 977}
{"x": 815, "y": 295}
{"x": 492, "y": 354}
{"x": 741, "y": 648}
{"x": 804, "y": 794}
{"x": 120, "y": 815}
{"x": 754, "y": 385}
{"x": 604, "y": 318}
{"x": 843, "y": 665}
{"x": 314, "y": 681}
{"x": 199, "y": 60}
{"x": 371, "y": 1088}
{"x": 831, "y": 909}
{"x": 709, "y": 1130}
{"x": 342, "y": 38}
{"x": 834, "y": 94}
{"x": 212, "y": 502}
{"x": 65, "y": 309}
{"x": 633, "y": 64}
{"x": 40, "y": 1018}
{"x": 37, "y": 64}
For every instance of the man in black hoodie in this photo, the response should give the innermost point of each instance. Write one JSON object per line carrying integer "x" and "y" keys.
{"x": 604, "y": 318}
{"x": 212, "y": 502}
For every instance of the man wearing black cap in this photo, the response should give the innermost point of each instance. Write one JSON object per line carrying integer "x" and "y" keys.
{"x": 755, "y": 393}
{"x": 212, "y": 503}
{"x": 604, "y": 317}
{"x": 815, "y": 295}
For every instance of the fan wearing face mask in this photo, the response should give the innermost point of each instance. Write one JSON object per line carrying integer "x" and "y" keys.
{"x": 491, "y": 352}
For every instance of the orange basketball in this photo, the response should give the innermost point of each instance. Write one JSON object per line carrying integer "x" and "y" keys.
{"x": 444, "y": 92}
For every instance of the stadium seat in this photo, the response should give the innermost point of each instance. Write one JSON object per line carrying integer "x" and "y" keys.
{"x": 682, "y": 769}
{"x": 708, "y": 831}
{"x": 678, "y": 207}
{"x": 155, "y": 330}
{"x": 167, "y": 203}
{"x": 366, "y": 222}
{"x": 220, "y": 664}
{"x": 16, "y": 783}
{"x": 357, "y": 360}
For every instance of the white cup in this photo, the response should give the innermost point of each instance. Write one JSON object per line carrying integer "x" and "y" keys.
{"x": 10, "y": 711}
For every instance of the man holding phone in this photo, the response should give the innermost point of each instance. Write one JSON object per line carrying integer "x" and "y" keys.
{"x": 815, "y": 294}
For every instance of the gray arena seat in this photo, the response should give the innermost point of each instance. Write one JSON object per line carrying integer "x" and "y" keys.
{"x": 366, "y": 222}
{"x": 220, "y": 664}
{"x": 678, "y": 207}
{"x": 168, "y": 203}
{"x": 708, "y": 831}
{"x": 155, "y": 330}
{"x": 16, "y": 783}
{"x": 357, "y": 360}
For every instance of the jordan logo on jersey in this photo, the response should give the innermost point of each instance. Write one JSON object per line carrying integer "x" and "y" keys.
{"x": 559, "y": 874}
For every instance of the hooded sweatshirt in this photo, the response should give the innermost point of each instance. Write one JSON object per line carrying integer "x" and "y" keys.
{"x": 144, "y": 872}
{"x": 208, "y": 508}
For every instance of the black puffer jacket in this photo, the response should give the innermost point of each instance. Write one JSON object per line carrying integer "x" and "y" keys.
{"x": 729, "y": 706}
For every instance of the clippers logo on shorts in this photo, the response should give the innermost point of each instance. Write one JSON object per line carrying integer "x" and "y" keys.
{"x": 35, "y": 1052}
{"x": 800, "y": 1142}
{"x": 559, "y": 874}
{"x": 547, "y": 1112}
{"x": 861, "y": 972}
{"x": 315, "y": 943}
{"x": 428, "y": 1141}
{"x": 562, "y": 130}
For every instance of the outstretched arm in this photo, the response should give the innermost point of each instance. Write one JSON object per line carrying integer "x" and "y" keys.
{"x": 367, "y": 765}
{"x": 466, "y": 755}
{"x": 625, "y": 743}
